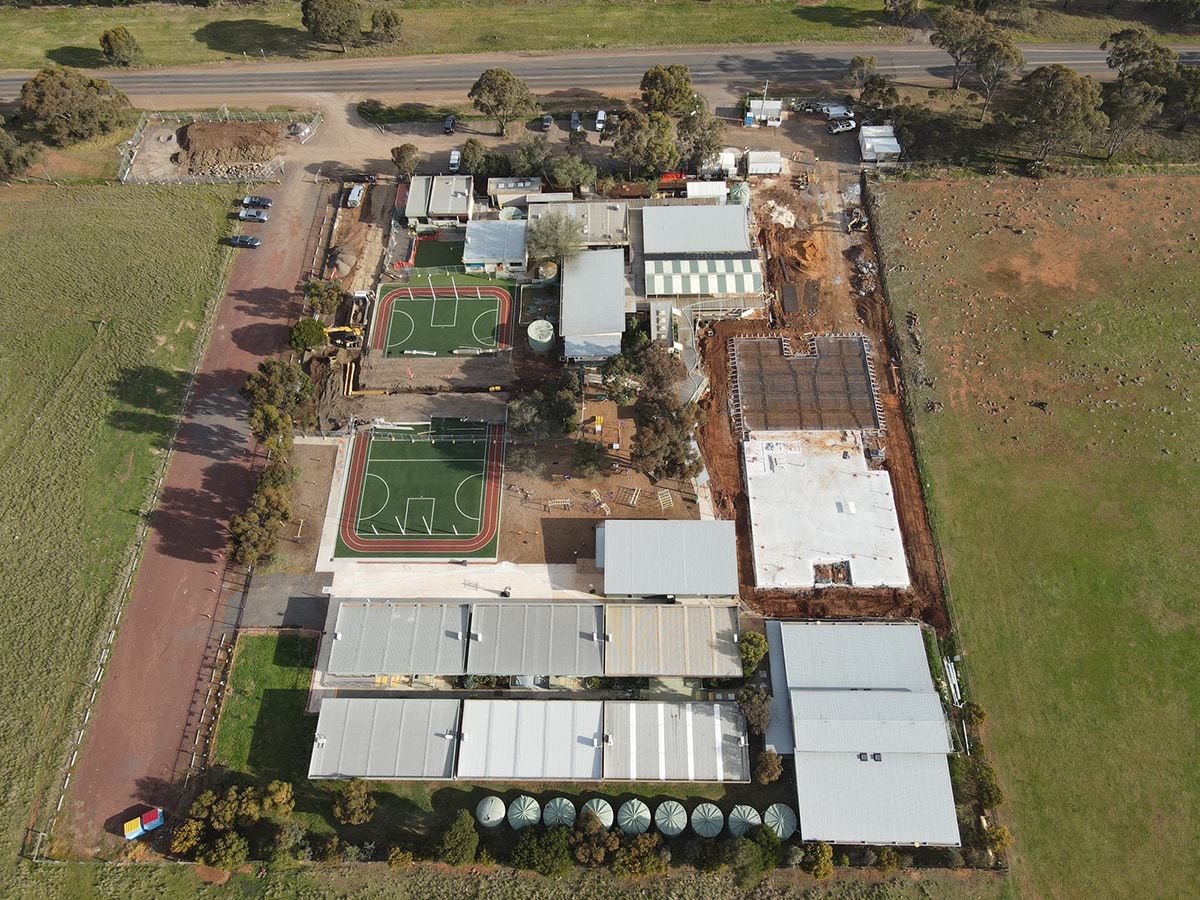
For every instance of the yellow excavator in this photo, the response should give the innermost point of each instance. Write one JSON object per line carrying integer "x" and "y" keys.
{"x": 349, "y": 337}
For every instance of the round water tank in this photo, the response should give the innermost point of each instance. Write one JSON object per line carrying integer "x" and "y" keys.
{"x": 541, "y": 336}
{"x": 548, "y": 271}
{"x": 740, "y": 193}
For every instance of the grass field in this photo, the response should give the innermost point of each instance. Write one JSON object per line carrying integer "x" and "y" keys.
{"x": 96, "y": 336}
{"x": 1069, "y": 529}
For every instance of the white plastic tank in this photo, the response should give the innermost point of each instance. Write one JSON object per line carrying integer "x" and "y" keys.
{"x": 541, "y": 336}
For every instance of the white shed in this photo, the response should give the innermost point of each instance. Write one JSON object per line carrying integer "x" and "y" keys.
{"x": 878, "y": 144}
{"x": 764, "y": 162}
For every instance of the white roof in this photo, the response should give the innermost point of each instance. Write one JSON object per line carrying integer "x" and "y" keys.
{"x": 398, "y": 639}
{"x": 878, "y": 140}
{"x": 601, "y": 222}
{"x": 703, "y": 277}
{"x": 450, "y": 195}
{"x": 675, "y": 742}
{"x": 417, "y": 204}
{"x": 883, "y": 721}
{"x": 531, "y": 740}
{"x": 593, "y": 301}
{"x": 683, "y": 558}
{"x": 686, "y": 230}
{"x": 536, "y": 639}
{"x": 848, "y": 512}
{"x": 527, "y": 184}
{"x": 708, "y": 189}
{"x": 766, "y": 109}
{"x": 494, "y": 241}
{"x": 672, "y": 639}
{"x": 385, "y": 738}
{"x": 763, "y": 162}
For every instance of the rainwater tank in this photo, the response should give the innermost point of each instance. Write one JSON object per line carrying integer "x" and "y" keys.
{"x": 541, "y": 336}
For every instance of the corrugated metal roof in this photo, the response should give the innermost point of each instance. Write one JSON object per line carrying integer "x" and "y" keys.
{"x": 592, "y": 346}
{"x": 905, "y": 799}
{"x": 762, "y": 109}
{"x": 451, "y": 195}
{"x": 869, "y": 721}
{"x": 602, "y": 223}
{"x": 674, "y": 742}
{"x": 703, "y": 277}
{"x": 763, "y": 162}
{"x": 672, "y": 640}
{"x": 536, "y": 639}
{"x": 707, "y": 189}
{"x": 494, "y": 241}
{"x": 399, "y": 639}
{"x": 531, "y": 740}
{"x": 593, "y": 294}
{"x": 417, "y": 205}
{"x": 684, "y": 558}
{"x": 385, "y": 738}
{"x": 779, "y": 735}
{"x": 694, "y": 229}
{"x": 855, "y": 655}
{"x": 528, "y": 184}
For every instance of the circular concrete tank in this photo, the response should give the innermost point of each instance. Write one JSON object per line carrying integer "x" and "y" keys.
{"x": 541, "y": 336}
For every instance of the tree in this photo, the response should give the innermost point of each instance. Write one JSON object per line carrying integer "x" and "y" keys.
{"x": 662, "y": 445}
{"x": 273, "y": 428}
{"x": 306, "y": 334}
{"x": 407, "y": 159}
{"x": 590, "y": 458}
{"x": 524, "y": 459}
{"x": 400, "y": 859}
{"x": 646, "y": 143}
{"x": 997, "y": 838}
{"x": 188, "y": 837}
{"x": 639, "y": 856}
{"x": 667, "y": 89}
{"x": 281, "y": 384}
{"x": 755, "y": 704}
{"x": 386, "y": 25}
{"x": 573, "y": 172}
{"x": 1182, "y": 11}
{"x": 546, "y": 851}
{"x": 902, "y": 11}
{"x": 1183, "y": 95}
{"x": 120, "y": 47}
{"x": 354, "y": 804}
{"x": 16, "y": 157}
{"x": 1136, "y": 53}
{"x": 592, "y": 842}
{"x": 753, "y": 647}
{"x": 818, "y": 860}
{"x": 531, "y": 155}
{"x": 332, "y": 21}
{"x": 280, "y": 799}
{"x": 973, "y": 714}
{"x": 888, "y": 860}
{"x": 747, "y": 863}
{"x": 1059, "y": 108}
{"x": 253, "y": 536}
{"x": 65, "y": 105}
{"x": 619, "y": 377}
{"x": 997, "y": 61}
{"x": 879, "y": 92}
{"x": 324, "y": 296}
{"x": 987, "y": 786}
{"x": 277, "y": 474}
{"x": 769, "y": 768}
{"x": 229, "y": 852}
{"x": 770, "y": 845}
{"x": 503, "y": 96}
{"x": 860, "y": 69}
{"x": 460, "y": 841}
{"x": 553, "y": 236}
{"x": 474, "y": 156}
{"x": 700, "y": 136}
{"x": 955, "y": 31}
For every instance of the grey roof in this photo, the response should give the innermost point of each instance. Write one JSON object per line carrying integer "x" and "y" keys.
{"x": 764, "y": 109}
{"x": 856, "y": 655}
{"x": 494, "y": 241}
{"x": 633, "y": 817}
{"x": 558, "y": 811}
{"x": 672, "y": 639}
{"x": 704, "y": 277}
{"x": 451, "y": 195}
{"x": 526, "y": 184}
{"x": 763, "y": 162}
{"x": 490, "y": 812}
{"x": 593, "y": 294}
{"x": 707, "y": 820}
{"x": 648, "y": 741}
{"x": 684, "y": 558}
{"x": 417, "y": 204}
{"x": 531, "y": 740}
{"x": 398, "y": 639}
{"x": 883, "y": 721}
{"x": 385, "y": 738}
{"x": 670, "y": 818}
{"x": 780, "y": 818}
{"x": 601, "y": 809}
{"x": 685, "y": 230}
{"x": 602, "y": 223}
{"x": 742, "y": 818}
{"x": 536, "y": 639}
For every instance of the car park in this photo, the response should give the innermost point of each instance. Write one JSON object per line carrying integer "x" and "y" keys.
{"x": 256, "y": 202}
{"x": 601, "y": 119}
{"x": 455, "y": 161}
{"x": 576, "y": 122}
{"x": 245, "y": 240}
{"x": 253, "y": 215}
{"x": 841, "y": 125}
{"x": 449, "y": 125}
{"x": 547, "y": 122}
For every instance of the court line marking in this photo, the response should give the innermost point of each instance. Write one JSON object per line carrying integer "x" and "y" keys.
{"x": 386, "y": 501}
{"x": 412, "y": 327}
{"x": 459, "y": 506}
{"x": 432, "y": 513}
{"x": 490, "y": 342}
{"x": 433, "y": 312}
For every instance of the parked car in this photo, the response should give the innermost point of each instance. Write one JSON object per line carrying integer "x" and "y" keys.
{"x": 355, "y": 198}
{"x": 836, "y": 111}
{"x": 842, "y": 125}
{"x": 455, "y": 161}
{"x": 449, "y": 125}
{"x": 601, "y": 119}
{"x": 244, "y": 240}
{"x": 547, "y": 122}
{"x": 256, "y": 202}
{"x": 576, "y": 122}
{"x": 253, "y": 215}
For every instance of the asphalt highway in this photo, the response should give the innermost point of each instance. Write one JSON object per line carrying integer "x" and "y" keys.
{"x": 720, "y": 72}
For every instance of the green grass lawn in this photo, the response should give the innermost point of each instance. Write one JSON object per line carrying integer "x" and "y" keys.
{"x": 179, "y": 35}
{"x": 1069, "y": 531}
{"x": 105, "y": 291}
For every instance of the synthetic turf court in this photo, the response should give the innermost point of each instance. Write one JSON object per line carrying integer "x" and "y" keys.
{"x": 462, "y": 319}
{"x": 423, "y": 491}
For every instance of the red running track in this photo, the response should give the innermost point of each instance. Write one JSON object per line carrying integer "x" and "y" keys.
{"x": 493, "y": 469}
{"x": 383, "y": 318}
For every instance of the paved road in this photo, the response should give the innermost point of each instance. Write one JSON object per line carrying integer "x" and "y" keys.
{"x": 721, "y": 72}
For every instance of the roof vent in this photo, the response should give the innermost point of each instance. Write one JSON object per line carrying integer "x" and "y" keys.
{"x": 608, "y": 739}
{"x": 863, "y": 757}
{"x": 337, "y": 635}
{"x": 878, "y": 757}
{"x": 742, "y": 741}
{"x": 320, "y": 739}
{"x": 456, "y": 635}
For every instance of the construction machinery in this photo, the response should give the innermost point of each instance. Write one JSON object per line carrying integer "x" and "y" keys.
{"x": 349, "y": 337}
{"x": 856, "y": 221}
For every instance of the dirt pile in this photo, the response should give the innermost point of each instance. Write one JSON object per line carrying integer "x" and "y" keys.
{"x": 224, "y": 149}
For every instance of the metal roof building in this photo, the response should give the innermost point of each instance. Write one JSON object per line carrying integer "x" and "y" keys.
{"x": 602, "y": 223}
{"x": 493, "y": 243}
{"x": 664, "y": 558}
{"x": 592, "y": 307}
{"x": 536, "y": 639}
{"x": 764, "y": 162}
{"x": 877, "y": 144}
{"x": 703, "y": 277}
{"x": 764, "y": 112}
{"x": 531, "y": 740}
{"x": 661, "y": 639}
{"x": 860, "y": 714}
{"x": 440, "y": 197}
{"x": 385, "y": 738}
{"x": 514, "y": 191}
{"x": 695, "y": 230}
{"x": 398, "y": 639}
{"x": 646, "y": 741}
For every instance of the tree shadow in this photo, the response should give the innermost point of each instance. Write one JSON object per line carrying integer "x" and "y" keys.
{"x": 79, "y": 57}
{"x": 253, "y": 37}
{"x": 283, "y": 735}
{"x": 189, "y": 523}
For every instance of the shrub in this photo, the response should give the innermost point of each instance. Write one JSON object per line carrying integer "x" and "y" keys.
{"x": 306, "y": 334}
{"x": 973, "y": 714}
{"x": 888, "y": 860}
{"x": 354, "y": 805}
{"x": 279, "y": 799}
{"x": 460, "y": 841}
{"x": 770, "y": 845}
{"x": 291, "y": 841}
{"x": 769, "y": 767}
{"x": 818, "y": 860}
{"x": 756, "y": 707}
{"x": 546, "y": 851}
{"x": 187, "y": 838}
{"x": 639, "y": 855}
{"x": 400, "y": 859}
{"x": 747, "y": 862}
{"x": 987, "y": 788}
{"x": 794, "y": 856}
{"x": 592, "y": 842}
{"x": 120, "y": 47}
{"x": 753, "y": 647}
{"x": 998, "y": 839}
{"x": 229, "y": 852}
{"x": 323, "y": 296}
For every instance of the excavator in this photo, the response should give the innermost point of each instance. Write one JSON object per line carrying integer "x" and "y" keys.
{"x": 349, "y": 337}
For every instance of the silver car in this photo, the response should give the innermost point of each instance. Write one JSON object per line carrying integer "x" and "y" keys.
{"x": 253, "y": 215}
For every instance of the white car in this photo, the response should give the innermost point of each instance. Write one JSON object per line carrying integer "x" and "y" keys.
{"x": 455, "y": 161}
{"x": 843, "y": 125}
{"x": 253, "y": 215}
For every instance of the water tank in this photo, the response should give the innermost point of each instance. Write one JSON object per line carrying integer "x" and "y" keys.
{"x": 740, "y": 193}
{"x": 541, "y": 336}
{"x": 548, "y": 271}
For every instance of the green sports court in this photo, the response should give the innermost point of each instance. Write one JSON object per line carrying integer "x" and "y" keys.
{"x": 446, "y": 316}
